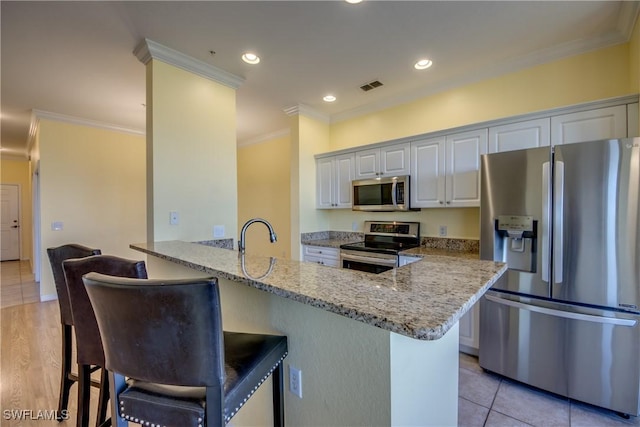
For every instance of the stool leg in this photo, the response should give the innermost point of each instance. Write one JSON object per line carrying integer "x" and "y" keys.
{"x": 277, "y": 380}
{"x": 103, "y": 400}
{"x": 84, "y": 395}
{"x": 65, "y": 377}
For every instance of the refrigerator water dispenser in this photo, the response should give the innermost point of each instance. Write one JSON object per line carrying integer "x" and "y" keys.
{"x": 516, "y": 240}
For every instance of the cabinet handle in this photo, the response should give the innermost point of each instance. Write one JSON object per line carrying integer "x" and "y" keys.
{"x": 448, "y": 202}
{"x": 441, "y": 202}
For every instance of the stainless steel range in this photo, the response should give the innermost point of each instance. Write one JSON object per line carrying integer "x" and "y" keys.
{"x": 383, "y": 240}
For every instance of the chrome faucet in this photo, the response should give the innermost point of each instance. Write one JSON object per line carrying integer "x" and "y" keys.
{"x": 272, "y": 234}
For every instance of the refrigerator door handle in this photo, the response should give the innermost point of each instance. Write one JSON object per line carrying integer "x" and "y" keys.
{"x": 561, "y": 313}
{"x": 546, "y": 219}
{"x": 558, "y": 220}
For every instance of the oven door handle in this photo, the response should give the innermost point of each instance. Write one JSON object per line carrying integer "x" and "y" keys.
{"x": 369, "y": 260}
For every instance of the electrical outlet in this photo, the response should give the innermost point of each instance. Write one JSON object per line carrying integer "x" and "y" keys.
{"x": 295, "y": 381}
{"x": 218, "y": 231}
{"x": 443, "y": 230}
{"x": 174, "y": 218}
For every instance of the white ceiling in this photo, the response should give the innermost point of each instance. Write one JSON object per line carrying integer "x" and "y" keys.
{"x": 75, "y": 58}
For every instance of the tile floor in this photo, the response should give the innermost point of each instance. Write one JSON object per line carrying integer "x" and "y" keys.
{"x": 17, "y": 285}
{"x": 488, "y": 400}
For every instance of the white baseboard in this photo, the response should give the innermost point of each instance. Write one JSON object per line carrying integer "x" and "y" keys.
{"x": 49, "y": 297}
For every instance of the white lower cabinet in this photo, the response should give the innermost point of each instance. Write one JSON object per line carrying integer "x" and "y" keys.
{"x": 321, "y": 255}
{"x": 470, "y": 330}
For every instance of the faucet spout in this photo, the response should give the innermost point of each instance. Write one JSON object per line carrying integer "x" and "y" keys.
{"x": 241, "y": 242}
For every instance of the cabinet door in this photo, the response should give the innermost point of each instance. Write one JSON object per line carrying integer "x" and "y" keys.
{"x": 427, "y": 173}
{"x": 324, "y": 183}
{"x": 367, "y": 163}
{"x": 462, "y": 183}
{"x": 344, "y": 173}
{"x": 394, "y": 160}
{"x": 602, "y": 123}
{"x": 519, "y": 136}
{"x": 632, "y": 120}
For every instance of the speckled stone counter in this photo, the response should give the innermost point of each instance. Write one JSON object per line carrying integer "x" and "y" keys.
{"x": 422, "y": 300}
{"x": 330, "y": 239}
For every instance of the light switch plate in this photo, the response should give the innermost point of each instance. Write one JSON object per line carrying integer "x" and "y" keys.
{"x": 174, "y": 218}
{"x": 57, "y": 226}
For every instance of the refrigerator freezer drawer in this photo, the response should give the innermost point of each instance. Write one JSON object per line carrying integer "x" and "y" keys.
{"x": 584, "y": 354}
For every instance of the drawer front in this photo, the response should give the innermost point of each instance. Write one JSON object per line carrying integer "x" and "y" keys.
{"x": 320, "y": 251}
{"x": 329, "y": 262}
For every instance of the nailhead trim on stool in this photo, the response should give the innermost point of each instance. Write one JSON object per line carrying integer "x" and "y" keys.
{"x": 227, "y": 418}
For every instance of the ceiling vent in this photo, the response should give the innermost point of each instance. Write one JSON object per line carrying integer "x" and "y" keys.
{"x": 372, "y": 85}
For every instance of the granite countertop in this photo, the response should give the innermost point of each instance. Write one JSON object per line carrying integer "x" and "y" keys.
{"x": 329, "y": 243}
{"x": 422, "y": 300}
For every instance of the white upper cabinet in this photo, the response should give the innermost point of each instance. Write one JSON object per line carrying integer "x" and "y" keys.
{"x": 427, "y": 173}
{"x": 333, "y": 181}
{"x": 462, "y": 181}
{"x": 392, "y": 160}
{"x": 446, "y": 171}
{"x": 601, "y": 123}
{"x": 632, "y": 120}
{"x": 519, "y": 136}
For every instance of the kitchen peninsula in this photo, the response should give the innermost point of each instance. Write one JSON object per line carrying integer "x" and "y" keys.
{"x": 374, "y": 349}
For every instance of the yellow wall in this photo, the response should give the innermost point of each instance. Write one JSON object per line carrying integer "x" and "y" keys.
{"x": 191, "y": 147}
{"x": 311, "y": 137}
{"x": 19, "y": 172}
{"x": 92, "y": 180}
{"x": 592, "y": 76}
{"x": 634, "y": 59}
{"x": 596, "y": 75}
{"x": 263, "y": 191}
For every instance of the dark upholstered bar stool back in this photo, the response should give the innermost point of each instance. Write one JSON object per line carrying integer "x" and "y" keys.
{"x": 88, "y": 343}
{"x": 183, "y": 370}
{"x": 56, "y": 256}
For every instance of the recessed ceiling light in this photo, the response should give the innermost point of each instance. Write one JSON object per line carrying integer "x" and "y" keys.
{"x": 250, "y": 58}
{"x": 329, "y": 98}
{"x": 353, "y": 1}
{"x": 423, "y": 64}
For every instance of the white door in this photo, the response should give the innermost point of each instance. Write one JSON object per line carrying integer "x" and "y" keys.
{"x": 591, "y": 125}
{"x": 427, "y": 173}
{"x": 394, "y": 160}
{"x": 10, "y": 221}
{"x": 519, "y": 136}
{"x": 464, "y": 149}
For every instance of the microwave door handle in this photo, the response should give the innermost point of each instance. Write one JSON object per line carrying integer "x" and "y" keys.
{"x": 394, "y": 197}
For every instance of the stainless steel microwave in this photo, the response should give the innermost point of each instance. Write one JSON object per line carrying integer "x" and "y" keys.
{"x": 381, "y": 194}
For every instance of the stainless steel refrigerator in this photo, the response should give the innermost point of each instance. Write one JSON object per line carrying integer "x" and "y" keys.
{"x": 565, "y": 317}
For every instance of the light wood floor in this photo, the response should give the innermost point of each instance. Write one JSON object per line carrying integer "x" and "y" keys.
{"x": 17, "y": 285}
{"x": 30, "y": 338}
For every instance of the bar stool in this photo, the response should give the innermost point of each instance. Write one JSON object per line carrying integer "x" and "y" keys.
{"x": 89, "y": 350}
{"x": 56, "y": 256}
{"x": 166, "y": 337}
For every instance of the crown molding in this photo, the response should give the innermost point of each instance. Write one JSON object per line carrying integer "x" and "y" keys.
{"x": 305, "y": 110}
{"x": 265, "y": 138}
{"x": 148, "y": 50}
{"x": 37, "y": 115}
